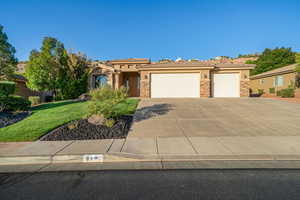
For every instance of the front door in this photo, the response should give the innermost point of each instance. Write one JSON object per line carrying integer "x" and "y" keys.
{"x": 131, "y": 80}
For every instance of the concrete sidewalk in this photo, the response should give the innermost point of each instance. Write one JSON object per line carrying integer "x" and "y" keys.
{"x": 156, "y": 149}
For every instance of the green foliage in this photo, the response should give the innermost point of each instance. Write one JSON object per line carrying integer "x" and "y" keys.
{"x": 75, "y": 83}
{"x": 110, "y": 122}
{"x": 53, "y": 69}
{"x": 45, "y": 69}
{"x": 7, "y": 88}
{"x": 14, "y": 103}
{"x": 35, "y": 100}
{"x": 8, "y": 62}
{"x": 273, "y": 58}
{"x": 286, "y": 93}
{"x": 105, "y": 100}
{"x": 278, "y": 93}
{"x": 260, "y": 91}
{"x": 248, "y": 55}
{"x": 272, "y": 90}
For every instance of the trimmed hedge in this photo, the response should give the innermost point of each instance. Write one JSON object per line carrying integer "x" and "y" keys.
{"x": 34, "y": 100}
{"x": 7, "y": 88}
{"x": 287, "y": 93}
{"x": 14, "y": 103}
{"x": 260, "y": 91}
{"x": 272, "y": 90}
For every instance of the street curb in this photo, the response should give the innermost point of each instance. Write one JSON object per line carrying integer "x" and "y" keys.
{"x": 128, "y": 157}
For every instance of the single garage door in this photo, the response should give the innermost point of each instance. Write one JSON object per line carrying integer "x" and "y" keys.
{"x": 175, "y": 85}
{"x": 226, "y": 85}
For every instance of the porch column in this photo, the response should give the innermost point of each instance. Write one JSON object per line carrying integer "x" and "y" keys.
{"x": 205, "y": 83}
{"x": 244, "y": 83}
{"x": 145, "y": 84}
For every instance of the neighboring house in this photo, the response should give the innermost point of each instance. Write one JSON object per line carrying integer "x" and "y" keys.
{"x": 173, "y": 79}
{"x": 278, "y": 79}
{"x": 21, "y": 88}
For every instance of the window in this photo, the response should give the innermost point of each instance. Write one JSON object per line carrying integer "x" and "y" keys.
{"x": 100, "y": 80}
{"x": 278, "y": 81}
{"x": 262, "y": 81}
{"x": 138, "y": 82}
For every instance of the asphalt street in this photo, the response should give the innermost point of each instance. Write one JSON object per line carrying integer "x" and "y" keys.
{"x": 150, "y": 184}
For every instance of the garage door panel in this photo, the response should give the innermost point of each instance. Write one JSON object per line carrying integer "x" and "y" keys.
{"x": 226, "y": 85}
{"x": 175, "y": 85}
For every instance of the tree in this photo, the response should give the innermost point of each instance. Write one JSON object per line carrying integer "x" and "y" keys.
{"x": 75, "y": 82}
{"x": 53, "y": 69}
{"x": 273, "y": 58}
{"x": 47, "y": 68}
{"x": 8, "y": 62}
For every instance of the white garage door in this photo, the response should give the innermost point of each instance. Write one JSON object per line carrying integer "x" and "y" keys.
{"x": 226, "y": 85}
{"x": 175, "y": 85}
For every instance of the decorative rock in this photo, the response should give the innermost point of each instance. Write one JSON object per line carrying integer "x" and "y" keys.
{"x": 96, "y": 120}
{"x": 87, "y": 131}
{"x": 84, "y": 97}
{"x": 8, "y": 118}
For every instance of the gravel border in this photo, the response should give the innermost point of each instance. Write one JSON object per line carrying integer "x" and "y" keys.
{"x": 83, "y": 130}
{"x": 9, "y": 118}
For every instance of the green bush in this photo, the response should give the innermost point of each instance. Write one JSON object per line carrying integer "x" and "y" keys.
{"x": 34, "y": 100}
{"x": 105, "y": 100}
{"x": 287, "y": 93}
{"x": 278, "y": 93}
{"x": 7, "y": 88}
{"x": 260, "y": 91}
{"x": 14, "y": 103}
{"x": 272, "y": 90}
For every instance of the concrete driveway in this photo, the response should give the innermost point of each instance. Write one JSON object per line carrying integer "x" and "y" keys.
{"x": 241, "y": 128}
{"x": 216, "y": 117}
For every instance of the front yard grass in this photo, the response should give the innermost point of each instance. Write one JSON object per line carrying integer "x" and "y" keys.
{"x": 49, "y": 116}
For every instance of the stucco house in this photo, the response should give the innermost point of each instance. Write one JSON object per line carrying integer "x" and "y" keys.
{"x": 173, "y": 79}
{"x": 271, "y": 81}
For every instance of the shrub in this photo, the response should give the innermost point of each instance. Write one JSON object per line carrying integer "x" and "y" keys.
{"x": 14, "y": 103}
{"x": 272, "y": 90}
{"x": 260, "y": 91}
{"x": 48, "y": 98}
{"x": 105, "y": 100}
{"x": 7, "y": 88}
{"x": 34, "y": 100}
{"x": 278, "y": 93}
{"x": 110, "y": 122}
{"x": 287, "y": 93}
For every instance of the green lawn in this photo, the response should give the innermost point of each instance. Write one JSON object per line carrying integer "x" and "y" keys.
{"x": 46, "y": 117}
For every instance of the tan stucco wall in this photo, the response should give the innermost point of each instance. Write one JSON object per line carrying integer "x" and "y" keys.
{"x": 256, "y": 84}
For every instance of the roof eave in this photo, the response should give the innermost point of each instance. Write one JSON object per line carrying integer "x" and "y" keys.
{"x": 271, "y": 74}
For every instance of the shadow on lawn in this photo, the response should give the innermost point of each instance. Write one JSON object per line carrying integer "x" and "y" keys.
{"x": 52, "y": 105}
{"x": 151, "y": 111}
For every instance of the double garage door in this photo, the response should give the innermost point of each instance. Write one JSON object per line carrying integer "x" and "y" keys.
{"x": 180, "y": 85}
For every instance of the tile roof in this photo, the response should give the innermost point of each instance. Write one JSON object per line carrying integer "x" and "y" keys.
{"x": 196, "y": 64}
{"x": 130, "y": 60}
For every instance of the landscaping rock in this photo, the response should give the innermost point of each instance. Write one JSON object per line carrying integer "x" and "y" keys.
{"x": 8, "y": 118}
{"x": 84, "y": 97}
{"x": 96, "y": 120}
{"x": 88, "y": 131}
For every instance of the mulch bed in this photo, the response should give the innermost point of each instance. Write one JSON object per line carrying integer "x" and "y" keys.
{"x": 8, "y": 118}
{"x": 83, "y": 130}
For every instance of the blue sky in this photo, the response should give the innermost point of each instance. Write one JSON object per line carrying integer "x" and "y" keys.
{"x": 111, "y": 29}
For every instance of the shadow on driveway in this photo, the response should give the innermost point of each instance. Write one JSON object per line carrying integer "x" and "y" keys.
{"x": 151, "y": 111}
